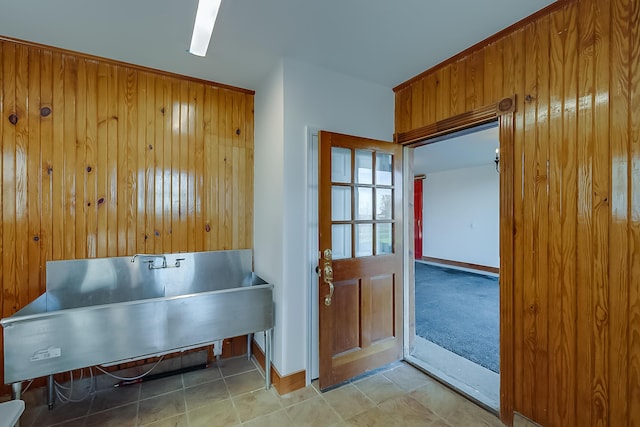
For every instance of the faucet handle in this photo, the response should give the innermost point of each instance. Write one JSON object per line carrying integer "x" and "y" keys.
{"x": 177, "y": 264}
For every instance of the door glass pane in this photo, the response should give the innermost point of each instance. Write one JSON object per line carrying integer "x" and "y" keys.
{"x": 340, "y": 203}
{"x": 340, "y": 164}
{"x": 384, "y": 239}
{"x": 341, "y": 241}
{"x": 384, "y": 164}
{"x": 364, "y": 203}
{"x": 364, "y": 167}
{"x": 364, "y": 240}
{"x": 384, "y": 203}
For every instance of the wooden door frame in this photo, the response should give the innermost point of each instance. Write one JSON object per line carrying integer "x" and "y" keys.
{"x": 504, "y": 113}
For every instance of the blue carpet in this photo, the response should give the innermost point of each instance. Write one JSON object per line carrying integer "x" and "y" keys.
{"x": 459, "y": 311}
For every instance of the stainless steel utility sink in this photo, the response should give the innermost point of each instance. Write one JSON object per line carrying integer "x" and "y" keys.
{"x": 103, "y": 311}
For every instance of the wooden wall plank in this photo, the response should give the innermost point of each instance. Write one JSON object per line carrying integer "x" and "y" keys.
{"x": 46, "y": 138}
{"x": 601, "y": 207}
{"x": 2, "y": 121}
{"x": 80, "y": 122}
{"x": 183, "y": 182}
{"x": 120, "y": 198}
{"x": 618, "y": 250}
{"x": 530, "y": 303}
{"x": 67, "y": 166}
{"x": 556, "y": 211}
{"x": 443, "y": 88}
{"x": 430, "y": 98}
{"x": 633, "y": 393}
{"x": 585, "y": 315}
{"x": 102, "y": 158}
{"x": 133, "y": 167}
{"x": 91, "y": 160}
{"x": 417, "y": 104}
{"x": 200, "y": 131}
{"x": 492, "y": 74}
{"x": 208, "y": 197}
{"x": 191, "y": 170}
{"x": 248, "y": 176}
{"x": 474, "y": 81}
{"x": 113, "y": 151}
{"x": 158, "y": 164}
{"x": 224, "y": 169}
{"x": 166, "y": 166}
{"x": 458, "y": 90}
{"x": 9, "y": 291}
{"x": 541, "y": 219}
{"x": 142, "y": 173}
{"x": 21, "y": 178}
{"x": 565, "y": 404}
{"x": 34, "y": 185}
{"x": 123, "y": 161}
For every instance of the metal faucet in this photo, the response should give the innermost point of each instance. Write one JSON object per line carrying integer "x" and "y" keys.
{"x": 151, "y": 262}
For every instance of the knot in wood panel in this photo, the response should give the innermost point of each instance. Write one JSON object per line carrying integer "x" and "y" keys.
{"x": 45, "y": 111}
{"x": 13, "y": 119}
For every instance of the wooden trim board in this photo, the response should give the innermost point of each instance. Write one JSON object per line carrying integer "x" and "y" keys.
{"x": 125, "y": 64}
{"x": 286, "y": 384}
{"x": 462, "y": 264}
{"x": 559, "y": 4}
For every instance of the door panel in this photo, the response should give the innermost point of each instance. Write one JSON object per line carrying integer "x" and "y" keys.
{"x": 382, "y": 301}
{"x": 360, "y": 225}
{"x": 347, "y": 312}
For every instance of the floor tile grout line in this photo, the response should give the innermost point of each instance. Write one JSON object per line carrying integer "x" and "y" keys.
{"x": 184, "y": 399}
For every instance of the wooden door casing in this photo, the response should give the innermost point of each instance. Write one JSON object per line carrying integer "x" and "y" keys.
{"x": 418, "y": 202}
{"x": 570, "y": 250}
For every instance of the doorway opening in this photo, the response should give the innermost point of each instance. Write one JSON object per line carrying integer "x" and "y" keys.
{"x": 456, "y": 331}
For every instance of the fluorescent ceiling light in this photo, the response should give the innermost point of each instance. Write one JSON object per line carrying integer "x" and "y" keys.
{"x": 203, "y": 27}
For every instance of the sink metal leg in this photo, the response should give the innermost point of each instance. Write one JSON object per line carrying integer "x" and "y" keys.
{"x": 249, "y": 341}
{"x": 16, "y": 391}
{"x": 51, "y": 397}
{"x": 267, "y": 358}
{"x": 16, "y": 394}
{"x": 217, "y": 350}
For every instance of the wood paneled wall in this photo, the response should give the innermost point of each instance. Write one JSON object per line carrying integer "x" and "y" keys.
{"x": 101, "y": 159}
{"x": 576, "y": 157}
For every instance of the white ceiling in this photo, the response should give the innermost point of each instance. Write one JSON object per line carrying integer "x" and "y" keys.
{"x": 458, "y": 152}
{"x": 385, "y": 42}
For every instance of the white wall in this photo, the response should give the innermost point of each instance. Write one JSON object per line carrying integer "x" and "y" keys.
{"x": 461, "y": 215}
{"x": 268, "y": 189}
{"x": 323, "y": 99}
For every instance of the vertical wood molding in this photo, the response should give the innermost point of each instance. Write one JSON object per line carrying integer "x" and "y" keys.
{"x": 569, "y": 235}
{"x": 507, "y": 231}
{"x": 105, "y": 159}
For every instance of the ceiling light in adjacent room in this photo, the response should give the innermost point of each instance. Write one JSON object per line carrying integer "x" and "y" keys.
{"x": 203, "y": 27}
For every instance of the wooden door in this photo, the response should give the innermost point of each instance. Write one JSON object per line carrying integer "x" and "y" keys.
{"x": 417, "y": 216}
{"x": 360, "y": 266}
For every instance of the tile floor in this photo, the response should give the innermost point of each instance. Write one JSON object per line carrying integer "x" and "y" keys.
{"x": 232, "y": 393}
